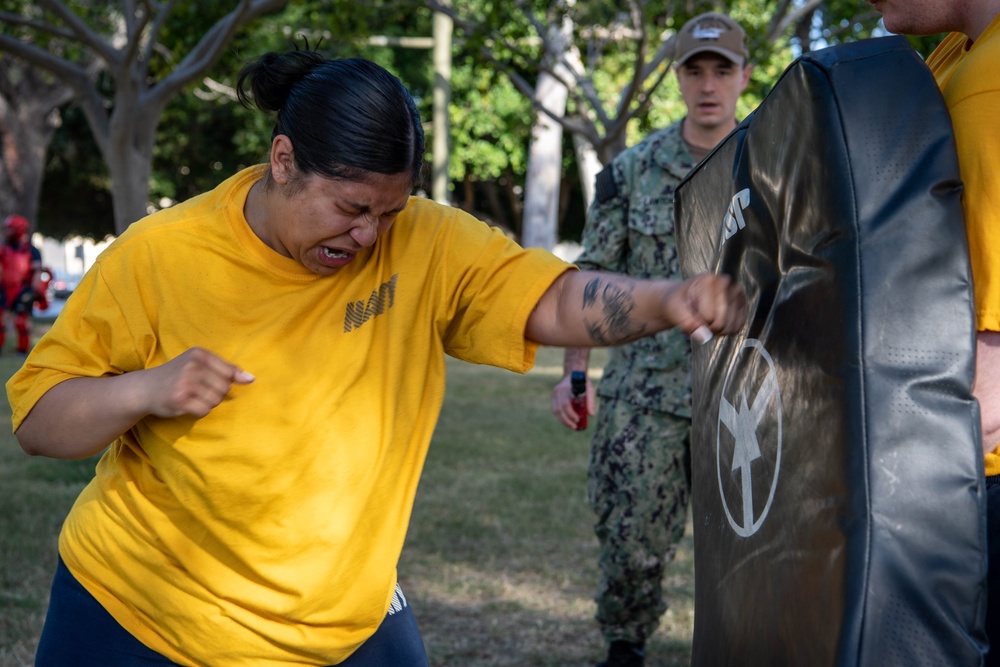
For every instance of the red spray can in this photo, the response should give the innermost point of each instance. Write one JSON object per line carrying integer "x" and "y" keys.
{"x": 578, "y": 387}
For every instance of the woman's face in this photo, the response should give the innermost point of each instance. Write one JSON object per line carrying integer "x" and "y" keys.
{"x": 322, "y": 223}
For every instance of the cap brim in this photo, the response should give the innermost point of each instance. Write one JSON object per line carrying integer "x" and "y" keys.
{"x": 726, "y": 53}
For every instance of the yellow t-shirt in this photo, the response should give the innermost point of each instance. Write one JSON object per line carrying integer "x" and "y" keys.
{"x": 268, "y": 532}
{"x": 970, "y": 82}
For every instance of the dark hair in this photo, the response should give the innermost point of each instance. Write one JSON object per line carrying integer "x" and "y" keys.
{"x": 346, "y": 117}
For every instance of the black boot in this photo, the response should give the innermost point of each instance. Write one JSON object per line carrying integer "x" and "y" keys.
{"x": 624, "y": 654}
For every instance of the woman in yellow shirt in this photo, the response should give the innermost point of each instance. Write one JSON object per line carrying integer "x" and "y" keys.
{"x": 267, "y": 362}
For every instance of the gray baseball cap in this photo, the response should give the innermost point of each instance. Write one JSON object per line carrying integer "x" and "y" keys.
{"x": 713, "y": 33}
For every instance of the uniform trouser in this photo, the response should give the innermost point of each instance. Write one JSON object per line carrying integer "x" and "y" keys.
{"x": 639, "y": 486}
{"x": 79, "y": 632}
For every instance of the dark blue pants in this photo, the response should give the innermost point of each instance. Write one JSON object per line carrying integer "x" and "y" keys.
{"x": 79, "y": 632}
{"x": 993, "y": 570}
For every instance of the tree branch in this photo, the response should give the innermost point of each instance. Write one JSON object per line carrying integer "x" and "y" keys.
{"x": 72, "y": 74}
{"x": 591, "y": 100}
{"x": 135, "y": 26}
{"x": 19, "y": 80}
{"x": 41, "y": 26}
{"x": 210, "y": 46}
{"x": 160, "y": 12}
{"x": 216, "y": 90}
{"x": 82, "y": 32}
{"x": 132, "y": 31}
{"x": 777, "y": 17}
{"x": 780, "y": 25}
{"x": 625, "y": 99}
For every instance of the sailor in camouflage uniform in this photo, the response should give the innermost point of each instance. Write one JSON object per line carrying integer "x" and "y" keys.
{"x": 639, "y": 476}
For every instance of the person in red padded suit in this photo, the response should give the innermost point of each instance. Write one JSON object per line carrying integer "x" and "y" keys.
{"x": 22, "y": 268}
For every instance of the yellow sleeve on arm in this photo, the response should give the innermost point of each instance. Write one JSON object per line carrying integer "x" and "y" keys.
{"x": 91, "y": 338}
{"x": 498, "y": 293}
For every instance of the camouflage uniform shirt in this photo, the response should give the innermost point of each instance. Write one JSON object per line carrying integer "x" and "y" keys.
{"x": 630, "y": 230}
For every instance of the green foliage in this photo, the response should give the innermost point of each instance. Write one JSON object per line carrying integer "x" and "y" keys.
{"x": 102, "y": 16}
{"x": 205, "y": 135}
{"x": 187, "y": 162}
{"x": 490, "y": 125}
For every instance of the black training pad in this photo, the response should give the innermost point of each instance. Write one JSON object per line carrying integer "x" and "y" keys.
{"x": 850, "y": 386}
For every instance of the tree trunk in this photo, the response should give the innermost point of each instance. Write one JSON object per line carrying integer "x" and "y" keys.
{"x": 541, "y": 183}
{"x": 128, "y": 152}
{"x": 22, "y": 164}
{"x": 442, "y": 99}
{"x": 588, "y": 165}
{"x": 29, "y": 116}
{"x": 127, "y": 133}
{"x": 497, "y": 212}
{"x": 130, "y": 171}
{"x": 513, "y": 198}
{"x": 126, "y": 139}
{"x": 466, "y": 202}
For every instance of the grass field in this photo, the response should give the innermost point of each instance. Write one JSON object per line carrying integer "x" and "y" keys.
{"x": 499, "y": 563}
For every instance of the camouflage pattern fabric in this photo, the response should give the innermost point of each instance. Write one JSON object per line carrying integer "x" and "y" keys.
{"x": 632, "y": 232}
{"x": 639, "y": 484}
{"x": 639, "y": 479}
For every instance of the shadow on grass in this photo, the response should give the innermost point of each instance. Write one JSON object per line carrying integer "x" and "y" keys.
{"x": 502, "y": 633}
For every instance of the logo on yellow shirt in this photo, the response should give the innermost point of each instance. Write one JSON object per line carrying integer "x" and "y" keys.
{"x": 381, "y": 300}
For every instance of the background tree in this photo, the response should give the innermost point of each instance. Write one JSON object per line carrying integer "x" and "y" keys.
{"x": 29, "y": 116}
{"x": 616, "y": 72}
{"x": 202, "y": 135}
{"x": 126, "y": 38}
{"x": 30, "y": 102}
{"x": 490, "y": 128}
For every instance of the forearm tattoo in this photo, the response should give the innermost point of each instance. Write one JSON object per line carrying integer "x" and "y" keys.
{"x": 615, "y": 302}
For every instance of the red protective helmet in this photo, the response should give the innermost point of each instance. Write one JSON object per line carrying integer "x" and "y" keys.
{"x": 16, "y": 224}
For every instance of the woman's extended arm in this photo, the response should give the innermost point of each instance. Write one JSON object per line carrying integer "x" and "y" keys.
{"x": 81, "y": 416}
{"x": 596, "y": 309}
